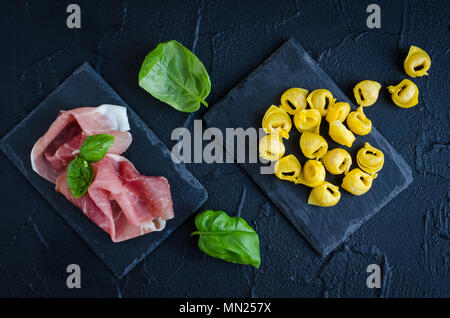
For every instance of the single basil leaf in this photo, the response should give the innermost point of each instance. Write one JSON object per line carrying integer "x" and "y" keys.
{"x": 79, "y": 176}
{"x": 227, "y": 238}
{"x": 174, "y": 75}
{"x": 95, "y": 147}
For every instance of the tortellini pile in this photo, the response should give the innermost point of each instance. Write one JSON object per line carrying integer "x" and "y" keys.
{"x": 307, "y": 111}
{"x": 295, "y": 101}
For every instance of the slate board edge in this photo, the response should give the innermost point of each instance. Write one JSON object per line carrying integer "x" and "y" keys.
{"x": 323, "y": 251}
{"x": 10, "y": 154}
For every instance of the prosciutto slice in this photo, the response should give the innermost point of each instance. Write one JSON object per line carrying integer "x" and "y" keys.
{"x": 56, "y": 148}
{"x": 122, "y": 202}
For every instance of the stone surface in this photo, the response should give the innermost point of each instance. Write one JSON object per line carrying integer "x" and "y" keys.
{"x": 408, "y": 237}
{"x": 147, "y": 153}
{"x": 244, "y": 106}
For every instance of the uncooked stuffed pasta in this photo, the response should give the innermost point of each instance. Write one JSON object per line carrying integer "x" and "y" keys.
{"x": 277, "y": 121}
{"x": 293, "y": 100}
{"x": 337, "y": 161}
{"x": 324, "y": 195}
{"x": 370, "y": 159}
{"x": 313, "y": 146}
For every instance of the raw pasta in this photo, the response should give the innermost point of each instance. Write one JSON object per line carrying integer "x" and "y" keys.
{"x": 313, "y": 145}
{"x": 313, "y": 174}
{"x": 308, "y": 120}
{"x": 405, "y": 94}
{"x": 338, "y": 111}
{"x": 271, "y": 147}
{"x": 370, "y": 159}
{"x": 324, "y": 195}
{"x": 277, "y": 121}
{"x": 339, "y": 133}
{"x": 288, "y": 168}
{"x": 337, "y": 161}
{"x": 357, "y": 182}
{"x": 366, "y": 92}
{"x": 417, "y": 63}
{"x": 358, "y": 122}
{"x": 277, "y": 124}
{"x": 321, "y": 99}
{"x": 293, "y": 100}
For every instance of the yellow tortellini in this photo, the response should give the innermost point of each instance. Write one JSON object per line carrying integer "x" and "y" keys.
{"x": 366, "y": 92}
{"x": 313, "y": 145}
{"x": 271, "y": 147}
{"x": 417, "y": 63}
{"x": 357, "y": 182}
{"x": 321, "y": 99}
{"x": 405, "y": 94}
{"x": 294, "y": 100}
{"x": 313, "y": 174}
{"x": 339, "y": 133}
{"x": 324, "y": 195}
{"x": 308, "y": 120}
{"x": 277, "y": 121}
{"x": 337, "y": 161}
{"x": 358, "y": 122}
{"x": 370, "y": 159}
{"x": 338, "y": 111}
{"x": 288, "y": 168}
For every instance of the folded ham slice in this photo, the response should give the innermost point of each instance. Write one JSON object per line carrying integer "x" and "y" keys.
{"x": 121, "y": 201}
{"x": 56, "y": 148}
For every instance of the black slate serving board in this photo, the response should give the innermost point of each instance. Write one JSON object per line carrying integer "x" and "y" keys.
{"x": 244, "y": 106}
{"x": 147, "y": 152}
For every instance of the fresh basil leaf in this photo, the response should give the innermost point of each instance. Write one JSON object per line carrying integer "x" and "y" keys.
{"x": 79, "y": 176}
{"x": 174, "y": 75}
{"x": 95, "y": 147}
{"x": 227, "y": 238}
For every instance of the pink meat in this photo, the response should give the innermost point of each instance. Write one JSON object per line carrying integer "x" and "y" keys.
{"x": 121, "y": 201}
{"x": 56, "y": 148}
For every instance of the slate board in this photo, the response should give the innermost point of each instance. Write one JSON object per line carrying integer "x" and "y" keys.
{"x": 244, "y": 106}
{"x": 147, "y": 152}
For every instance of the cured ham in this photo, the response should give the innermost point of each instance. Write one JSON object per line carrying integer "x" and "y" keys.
{"x": 122, "y": 202}
{"x": 56, "y": 148}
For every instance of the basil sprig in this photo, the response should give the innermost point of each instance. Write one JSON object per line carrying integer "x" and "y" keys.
{"x": 95, "y": 147}
{"x": 79, "y": 171}
{"x": 227, "y": 238}
{"x": 174, "y": 75}
{"x": 79, "y": 176}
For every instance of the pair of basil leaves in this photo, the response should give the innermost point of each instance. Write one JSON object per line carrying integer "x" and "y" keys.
{"x": 79, "y": 171}
{"x": 227, "y": 238}
{"x": 174, "y": 75}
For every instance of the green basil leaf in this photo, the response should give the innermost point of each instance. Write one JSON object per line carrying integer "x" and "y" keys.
{"x": 79, "y": 176}
{"x": 95, "y": 147}
{"x": 227, "y": 238}
{"x": 174, "y": 75}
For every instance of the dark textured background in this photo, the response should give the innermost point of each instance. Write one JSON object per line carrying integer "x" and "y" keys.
{"x": 409, "y": 238}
